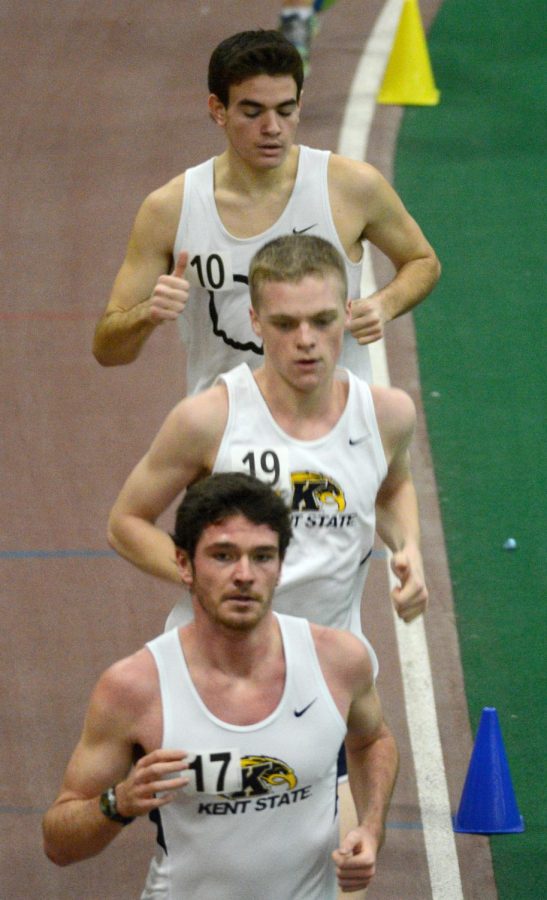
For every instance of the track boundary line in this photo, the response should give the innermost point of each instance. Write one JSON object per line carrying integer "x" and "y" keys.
{"x": 440, "y": 845}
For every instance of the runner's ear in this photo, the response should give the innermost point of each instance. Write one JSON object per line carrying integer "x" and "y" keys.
{"x": 255, "y": 322}
{"x": 184, "y": 566}
{"x": 217, "y": 110}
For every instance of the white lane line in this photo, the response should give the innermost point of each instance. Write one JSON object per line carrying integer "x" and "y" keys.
{"x": 442, "y": 859}
{"x": 361, "y": 105}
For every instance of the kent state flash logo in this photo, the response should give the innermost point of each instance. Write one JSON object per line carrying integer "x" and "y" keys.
{"x": 267, "y": 783}
{"x": 314, "y": 491}
{"x": 262, "y": 774}
{"x": 318, "y": 501}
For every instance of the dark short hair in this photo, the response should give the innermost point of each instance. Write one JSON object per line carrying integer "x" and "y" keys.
{"x": 250, "y": 53}
{"x": 292, "y": 257}
{"x": 226, "y": 494}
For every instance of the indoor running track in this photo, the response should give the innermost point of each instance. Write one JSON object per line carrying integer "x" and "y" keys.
{"x": 102, "y": 102}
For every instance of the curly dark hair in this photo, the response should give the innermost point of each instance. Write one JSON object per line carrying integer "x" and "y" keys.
{"x": 227, "y": 494}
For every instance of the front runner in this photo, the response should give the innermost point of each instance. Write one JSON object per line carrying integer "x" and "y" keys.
{"x": 236, "y": 720}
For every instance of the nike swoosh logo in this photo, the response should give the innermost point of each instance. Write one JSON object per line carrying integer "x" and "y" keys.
{"x": 300, "y": 712}
{"x": 303, "y": 230}
{"x": 359, "y": 440}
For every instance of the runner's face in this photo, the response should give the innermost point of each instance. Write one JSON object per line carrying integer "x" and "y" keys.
{"x": 235, "y": 570}
{"x": 302, "y": 326}
{"x": 260, "y": 120}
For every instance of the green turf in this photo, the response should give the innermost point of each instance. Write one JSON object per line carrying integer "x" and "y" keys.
{"x": 471, "y": 171}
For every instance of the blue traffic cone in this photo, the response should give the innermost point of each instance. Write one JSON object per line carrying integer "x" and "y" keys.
{"x": 488, "y": 804}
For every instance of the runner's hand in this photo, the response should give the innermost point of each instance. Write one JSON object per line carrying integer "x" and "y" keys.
{"x": 355, "y": 860}
{"x": 410, "y": 597}
{"x": 170, "y": 294}
{"x": 367, "y": 320}
{"x": 157, "y": 773}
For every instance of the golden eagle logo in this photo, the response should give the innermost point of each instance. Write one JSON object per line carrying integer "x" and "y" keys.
{"x": 313, "y": 492}
{"x": 262, "y": 775}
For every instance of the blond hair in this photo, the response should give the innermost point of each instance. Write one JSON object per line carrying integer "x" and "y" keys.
{"x": 293, "y": 257}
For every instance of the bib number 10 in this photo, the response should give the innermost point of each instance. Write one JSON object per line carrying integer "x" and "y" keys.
{"x": 212, "y": 271}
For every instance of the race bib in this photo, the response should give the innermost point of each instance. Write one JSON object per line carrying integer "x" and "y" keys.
{"x": 212, "y": 271}
{"x": 213, "y": 771}
{"x": 269, "y": 464}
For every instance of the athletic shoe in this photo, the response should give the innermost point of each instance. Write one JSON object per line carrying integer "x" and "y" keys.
{"x": 298, "y": 30}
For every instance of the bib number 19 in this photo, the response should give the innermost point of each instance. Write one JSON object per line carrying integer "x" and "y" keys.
{"x": 268, "y": 462}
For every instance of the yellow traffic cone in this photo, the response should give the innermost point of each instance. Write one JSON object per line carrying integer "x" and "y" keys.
{"x": 408, "y": 79}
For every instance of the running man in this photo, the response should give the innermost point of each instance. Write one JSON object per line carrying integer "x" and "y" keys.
{"x": 227, "y": 730}
{"x": 193, "y": 239}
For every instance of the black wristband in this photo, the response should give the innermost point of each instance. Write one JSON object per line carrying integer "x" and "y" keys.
{"x": 109, "y": 807}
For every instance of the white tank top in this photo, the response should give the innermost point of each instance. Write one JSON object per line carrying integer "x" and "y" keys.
{"x": 330, "y": 484}
{"x": 215, "y": 326}
{"x": 271, "y": 836}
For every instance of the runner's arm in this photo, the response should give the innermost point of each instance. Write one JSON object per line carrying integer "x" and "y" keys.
{"x": 74, "y": 827}
{"x": 144, "y": 294}
{"x": 182, "y": 452}
{"x": 397, "y": 514}
{"x": 372, "y": 760}
{"x": 370, "y": 209}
